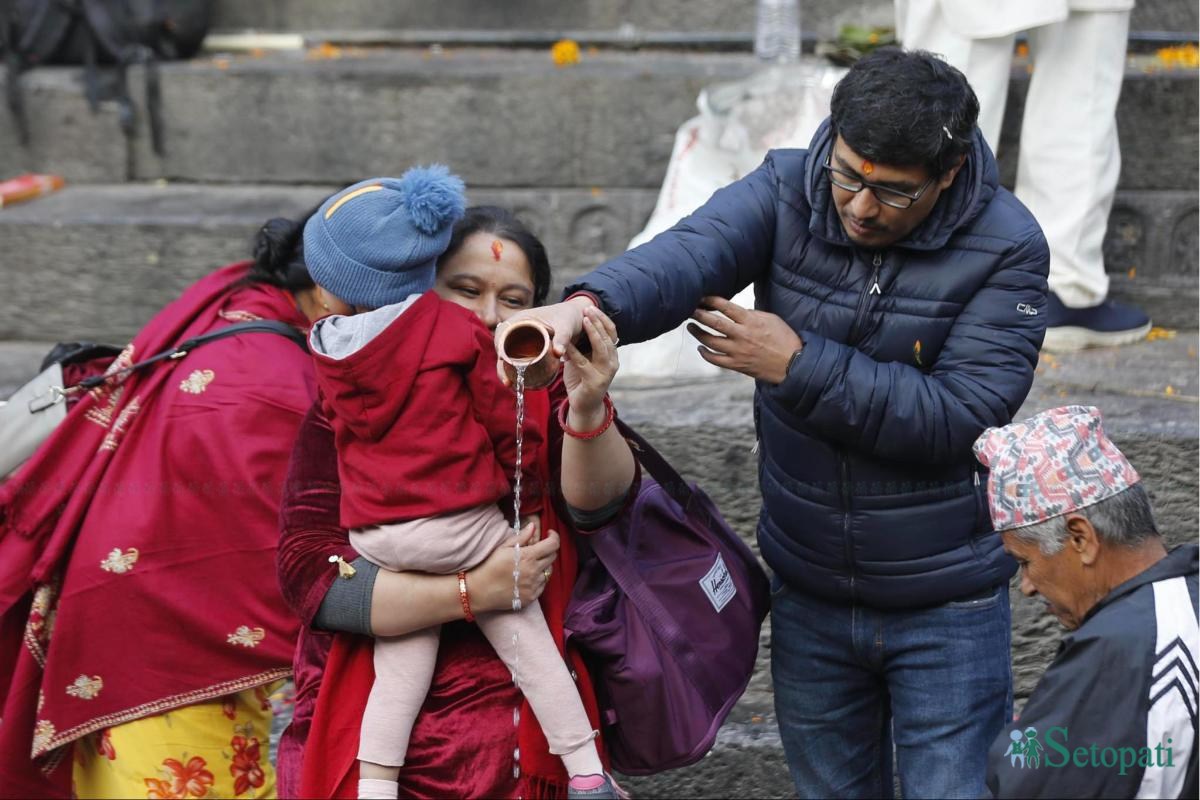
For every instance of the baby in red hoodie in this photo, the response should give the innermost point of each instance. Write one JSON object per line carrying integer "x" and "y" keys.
{"x": 426, "y": 444}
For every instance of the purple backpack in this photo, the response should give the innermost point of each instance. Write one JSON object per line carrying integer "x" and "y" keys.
{"x": 666, "y": 610}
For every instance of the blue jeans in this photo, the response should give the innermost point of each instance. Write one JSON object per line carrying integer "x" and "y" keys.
{"x": 850, "y": 681}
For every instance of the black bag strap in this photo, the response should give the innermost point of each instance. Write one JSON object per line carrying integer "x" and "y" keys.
{"x": 114, "y": 35}
{"x": 34, "y": 42}
{"x": 118, "y": 38}
{"x": 12, "y": 92}
{"x": 44, "y": 31}
{"x": 182, "y": 349}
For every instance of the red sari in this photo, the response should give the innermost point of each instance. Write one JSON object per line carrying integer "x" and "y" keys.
{"x": 137, "y": 547}
{"x": 463, "y": 740}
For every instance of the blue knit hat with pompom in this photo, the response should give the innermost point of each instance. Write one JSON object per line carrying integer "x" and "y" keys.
{"x": 376, "y": 242}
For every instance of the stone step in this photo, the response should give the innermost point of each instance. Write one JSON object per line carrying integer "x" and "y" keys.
{"x": 499, "y": 117}
{"x": 746, "y": 761}
{"x": 96, "y": 261}
{"x": 609, "y": 121}
{"x": 625, "y": 38}
{"x": 822, "y": 17}
{"x": 542, "y": 15}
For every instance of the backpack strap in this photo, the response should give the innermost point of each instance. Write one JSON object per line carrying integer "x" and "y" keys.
{"x": 154, "y": 102}
{"x": 34, "y": 41}
{"x": 44, "y": 31}
{"x": 182, "y": 349}
{"x": 115, "y": 37}
{"x": 12, "y": 92}
{"x": 125, "y": 43}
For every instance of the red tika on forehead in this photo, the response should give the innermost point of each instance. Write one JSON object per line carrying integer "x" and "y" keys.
{"x": 497, "y": 248}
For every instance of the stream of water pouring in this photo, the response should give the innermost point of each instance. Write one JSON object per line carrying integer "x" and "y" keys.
{"x": 516, "y": 602}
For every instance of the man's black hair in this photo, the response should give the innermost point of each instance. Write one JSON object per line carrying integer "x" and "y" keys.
{"x": 906, "y": 108}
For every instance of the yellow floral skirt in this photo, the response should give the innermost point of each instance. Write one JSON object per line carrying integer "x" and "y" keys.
{"x": 215, "y": 749}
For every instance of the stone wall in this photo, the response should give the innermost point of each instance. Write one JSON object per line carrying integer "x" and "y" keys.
{"x": 822, "y": 17}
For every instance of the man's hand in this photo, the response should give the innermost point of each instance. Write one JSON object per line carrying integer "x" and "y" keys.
{"x": 564, "y": 319}
{"x": 753, "y": 343}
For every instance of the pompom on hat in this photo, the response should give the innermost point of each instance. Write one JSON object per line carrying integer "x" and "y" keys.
{"x": 1049, "y": 465}
{"x": 377, "y": 242}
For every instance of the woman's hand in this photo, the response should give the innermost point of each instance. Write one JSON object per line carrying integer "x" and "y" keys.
{"x": 587, "y": 378}
{"x": 598, "y": 469}
{"x": 490, "y": 585}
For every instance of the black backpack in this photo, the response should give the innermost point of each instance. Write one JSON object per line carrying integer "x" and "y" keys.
{"x": 112, "y": 33}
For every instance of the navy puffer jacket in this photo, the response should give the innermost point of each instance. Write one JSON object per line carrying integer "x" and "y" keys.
{"x": 870, "y": 490}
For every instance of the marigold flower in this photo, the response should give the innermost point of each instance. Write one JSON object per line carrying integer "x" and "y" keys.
{"x": 1184, "y": 55}
{"x": 324, "y": 51}
{"x": 1157, "y": 333}
{"x": 565, "y": 52}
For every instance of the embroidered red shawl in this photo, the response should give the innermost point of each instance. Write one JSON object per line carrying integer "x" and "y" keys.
{"x": 137, "y": 547}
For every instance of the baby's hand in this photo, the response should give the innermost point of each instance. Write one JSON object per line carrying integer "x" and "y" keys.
{"x": 534, "y": 524}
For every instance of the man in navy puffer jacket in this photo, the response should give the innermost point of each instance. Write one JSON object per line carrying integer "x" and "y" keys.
{"x": 900, "y": 304}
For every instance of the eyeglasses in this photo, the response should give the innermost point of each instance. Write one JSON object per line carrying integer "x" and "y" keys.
{"x": 889, "y": 197}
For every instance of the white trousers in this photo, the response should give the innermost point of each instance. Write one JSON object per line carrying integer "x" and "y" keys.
{"x": 1070, "y": 158}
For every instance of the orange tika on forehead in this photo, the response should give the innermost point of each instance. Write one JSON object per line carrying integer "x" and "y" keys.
{"x": 497, "y": 248}
{"x": 867, "y": 168}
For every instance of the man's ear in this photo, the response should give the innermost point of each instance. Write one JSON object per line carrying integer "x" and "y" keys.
{"x": 952, "y": 173}
{"x": 1083, "y": 539}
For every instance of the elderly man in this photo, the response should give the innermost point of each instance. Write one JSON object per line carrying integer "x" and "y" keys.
{"x": 1115, "y": 714}
{"x": 900, "y": 297}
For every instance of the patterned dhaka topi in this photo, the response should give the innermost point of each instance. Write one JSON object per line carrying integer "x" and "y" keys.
{"x": 1049, "y": 465}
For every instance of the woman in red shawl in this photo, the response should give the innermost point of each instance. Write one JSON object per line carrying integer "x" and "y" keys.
{"x": 464, "y": 739}
{"x": 137, "y": 555}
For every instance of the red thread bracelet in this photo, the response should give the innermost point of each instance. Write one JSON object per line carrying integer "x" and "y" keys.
{"x": 609, "y": 414}
{"x": 462, "y": 597}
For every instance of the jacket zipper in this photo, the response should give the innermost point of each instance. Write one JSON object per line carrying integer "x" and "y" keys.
{"x": 871, "y": 288}
{"x": 847, "y": 542}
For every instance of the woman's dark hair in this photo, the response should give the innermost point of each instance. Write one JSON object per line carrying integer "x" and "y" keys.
{"x": 503, "y": 224}
{"x": 905, "y": 108}
{"x": 279, "y": 254}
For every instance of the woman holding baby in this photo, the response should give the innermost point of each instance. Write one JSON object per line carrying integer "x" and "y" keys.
{"x": 394, "y": 512}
